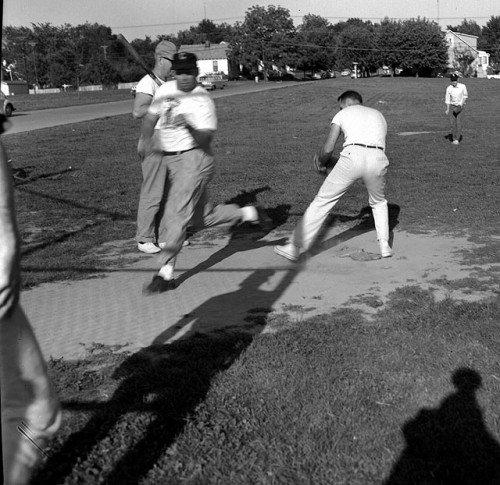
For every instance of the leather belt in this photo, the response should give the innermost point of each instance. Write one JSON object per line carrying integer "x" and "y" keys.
{"x": 179, "y": 152}
{"x": 366, "y": 146}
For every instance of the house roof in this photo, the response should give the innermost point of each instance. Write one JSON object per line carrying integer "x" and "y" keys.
{"x": 460, "y": 36}
{"x": 206, "y": 51}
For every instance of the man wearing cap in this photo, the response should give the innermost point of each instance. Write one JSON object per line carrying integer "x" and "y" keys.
{"x": 185, "y": 119}
{"x": 455, "y": 98}
{"x": 154, "y": 173}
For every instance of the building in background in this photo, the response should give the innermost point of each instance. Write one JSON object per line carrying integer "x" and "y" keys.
{"x": 460, "y": 44}
{"x": 212, "y": 58}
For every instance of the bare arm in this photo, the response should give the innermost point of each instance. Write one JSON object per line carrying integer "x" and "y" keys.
{"x": 141, "y": 105}
{"x": 147, "y": 141}
{"x": 9, "y": 241}
{"x": 326, "y": 150}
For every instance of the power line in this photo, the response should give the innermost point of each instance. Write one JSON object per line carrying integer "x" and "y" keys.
{"x": 191, "y": 22}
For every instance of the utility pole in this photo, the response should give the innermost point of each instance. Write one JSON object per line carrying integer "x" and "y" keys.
{"x": 33, "y": 44}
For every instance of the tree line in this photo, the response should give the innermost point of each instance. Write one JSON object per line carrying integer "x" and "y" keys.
{"x": 266, "y": 40}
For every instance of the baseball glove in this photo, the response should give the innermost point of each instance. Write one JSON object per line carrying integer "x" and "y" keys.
{"x": 323, "y": 167}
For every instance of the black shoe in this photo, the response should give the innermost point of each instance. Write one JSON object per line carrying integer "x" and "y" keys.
{"x": 159, "y": 285}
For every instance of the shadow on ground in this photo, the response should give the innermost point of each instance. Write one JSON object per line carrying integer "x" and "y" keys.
{"x": 154, "y": 391}
{"x": 449, "y": 445}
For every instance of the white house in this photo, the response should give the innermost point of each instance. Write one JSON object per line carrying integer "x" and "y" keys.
{"x": 212, "y": 58}
{"x": 458, "y": 43}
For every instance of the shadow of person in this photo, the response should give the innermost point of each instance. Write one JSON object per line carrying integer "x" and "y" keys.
{"x": 161, "y": 385}
{"x": 250, "y": 303}
{"x": 246, "y": 237}
{"x": 365, "y": 224}
{"x": 449, "y": 445}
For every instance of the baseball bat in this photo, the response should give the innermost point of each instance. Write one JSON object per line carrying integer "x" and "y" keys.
{"x": 137, "y": 58}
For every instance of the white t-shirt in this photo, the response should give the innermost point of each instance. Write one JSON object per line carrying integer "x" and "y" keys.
{"x": 363, "y": 125}
{"x": 147, "y": 86}
{"x": 456, "y": 94}
{"x": 197, "y": 107}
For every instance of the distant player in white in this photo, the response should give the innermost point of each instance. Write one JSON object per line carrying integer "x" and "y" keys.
{"x": 362, "y": 157}
{"x": 455, "y": 98}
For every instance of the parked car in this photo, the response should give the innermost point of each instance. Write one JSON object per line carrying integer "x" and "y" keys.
{"x": 330, "y": 73}
{"x": 346, "y": 72}
{"x": 213, "y": 81}
{"x": 7, "y": 106}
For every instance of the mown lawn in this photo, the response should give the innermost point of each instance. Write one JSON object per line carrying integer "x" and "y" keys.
{"x": 408, "y": 396}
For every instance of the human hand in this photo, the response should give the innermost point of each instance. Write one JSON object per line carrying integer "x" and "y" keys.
{"x": 447, "y": 111}
{"x": 318, "y": 166}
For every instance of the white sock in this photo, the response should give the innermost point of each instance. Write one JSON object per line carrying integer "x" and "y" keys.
{"x": 167, "y": 270}
{"x": 249, "y": 214}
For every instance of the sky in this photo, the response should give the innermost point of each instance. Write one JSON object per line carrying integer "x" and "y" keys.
{"x": 139, "y": 18}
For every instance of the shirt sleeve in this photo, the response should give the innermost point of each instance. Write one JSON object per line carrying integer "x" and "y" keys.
{"x": 146, "y": 86}
{"x": 447, "y": 98}
{"x": 337, "y": 119}
{"x": 465, "y": 95}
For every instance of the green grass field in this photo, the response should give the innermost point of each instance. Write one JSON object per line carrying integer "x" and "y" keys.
{"x": 409, "y": 396}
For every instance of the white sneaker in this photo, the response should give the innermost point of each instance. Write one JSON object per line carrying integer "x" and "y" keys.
{"x": 250, "y": 214}
{"x": 385, "y": 249}
{"x": 148, "y": 248}
{"x": 455, "y": 142}
{"x": 288, "y": 251}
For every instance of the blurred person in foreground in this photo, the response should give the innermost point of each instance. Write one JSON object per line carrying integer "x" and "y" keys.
{"x": 30, "y": 408}
{"x": 187, "y": 121}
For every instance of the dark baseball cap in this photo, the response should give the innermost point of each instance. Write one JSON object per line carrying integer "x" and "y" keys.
{"x": 453, "y": 77}
{"x": 184, "y": 61}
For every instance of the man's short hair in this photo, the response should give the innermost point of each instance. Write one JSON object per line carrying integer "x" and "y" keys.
{"x": 354, "y": 95}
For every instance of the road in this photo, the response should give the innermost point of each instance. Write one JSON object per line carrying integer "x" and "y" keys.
{"x": 47, "y": 118}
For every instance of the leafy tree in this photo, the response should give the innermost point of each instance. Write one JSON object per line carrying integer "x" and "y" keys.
{"x": 425, "y": 47}
{"x": 389, "y": 38}
{"x": 205, "y": 31}
{"x": 356, "y": 45}
{"x": 469, "y": 27}
{"x": 463, "y": 59}
{"x": 315, "y": 44}
{"x": 491, "y": 38}
{"x": 264, "y": 39}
